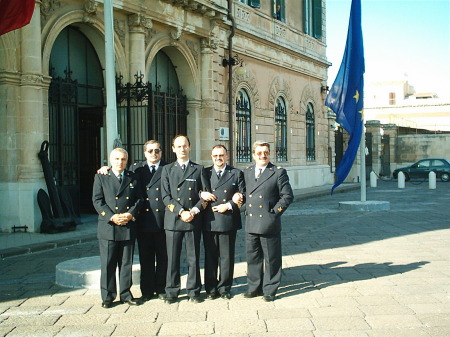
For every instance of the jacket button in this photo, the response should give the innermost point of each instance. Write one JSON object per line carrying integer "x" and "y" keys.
{"x": 224, "y": 200}
{"x": 117, "y": 207}
{"x": 260, "y": 196}
{"x": 250, "y": 205}
{"x": 190, "y": 198}
{"x": 148, "y": 188}
{"x": 260, "y": 206}
{"x": 127, "y": 198}
{"x": 147, "y": 209}
{"x": 117, "y": 198}
{"x": 190, "y": 188}
{"x": 260, "y": 215}
{"x": 178, "y": 199}
{"x": 178, "y": 189}
{"x": 225, "y": 191}
{"x": 250, "y": 196}
{"x": 147, "y": 199}
{"x": 157, "y": 188}
{"x": 128, "y": 207}
{"x": 157, "y": 199}
{"x": 157, "y": 210}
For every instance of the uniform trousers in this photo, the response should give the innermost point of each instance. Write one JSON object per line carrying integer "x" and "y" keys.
{"x": 113, "y": 255}
{"x": 219, "y": 254}
{"x": 174, "y": 241}
{"x": 153, "y": 260}
{"x": 263, "y": 262}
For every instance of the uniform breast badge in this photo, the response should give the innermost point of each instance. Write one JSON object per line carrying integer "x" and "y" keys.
{"x": 171, "y": 207}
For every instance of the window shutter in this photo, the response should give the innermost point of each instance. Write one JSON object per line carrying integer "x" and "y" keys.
{"x": 305, "y": 17}
{"x": 255, "y": 3}
{"x": 317, "y": 19}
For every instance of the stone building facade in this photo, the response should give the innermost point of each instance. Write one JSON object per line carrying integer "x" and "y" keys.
{"x": 174, "y": 45}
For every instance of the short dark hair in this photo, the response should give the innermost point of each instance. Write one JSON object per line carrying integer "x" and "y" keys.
{"x": 151, "y": 141}
{"x": 218, "y": 146}
{"x": 173, "y": 140}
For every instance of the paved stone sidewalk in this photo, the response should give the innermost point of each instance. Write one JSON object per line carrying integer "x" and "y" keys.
{"x": 372, "y": 274}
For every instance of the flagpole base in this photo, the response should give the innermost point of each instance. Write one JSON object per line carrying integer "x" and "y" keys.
{"x": 365, "y": 205}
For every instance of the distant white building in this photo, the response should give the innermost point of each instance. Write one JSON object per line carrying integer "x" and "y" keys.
{"x": 396, "y": 102}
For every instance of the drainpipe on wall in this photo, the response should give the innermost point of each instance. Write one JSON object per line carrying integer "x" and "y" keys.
{"x": 230, "y": 81}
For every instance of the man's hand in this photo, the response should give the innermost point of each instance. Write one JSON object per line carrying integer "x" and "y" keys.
{"x": 207, "y": 196}
{"x": 238, "y": 198}
{"x": 103, "y": 170}
{"x": 222, "y": 208}
{"x": 186, "y": 216}
{"x": 122, "y": 219}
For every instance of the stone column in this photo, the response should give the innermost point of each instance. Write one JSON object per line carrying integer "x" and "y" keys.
{"x": 374, "y": 127}
{"x": 32, "y": 124}
{"x": 208, "y": 132}
{"x": 392, "y": 131}
{"x": 138, "y": 24}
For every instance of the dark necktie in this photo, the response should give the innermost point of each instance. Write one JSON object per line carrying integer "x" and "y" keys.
{"x": 183, "y": 167}
{"x": 259, "y": 174}
{"x": 120, "y": 178}
{"x": 219, "y": 174}
{"x": 152, "y": 169}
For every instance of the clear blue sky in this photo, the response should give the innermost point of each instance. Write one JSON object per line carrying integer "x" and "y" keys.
{"x": 403, "y": 39}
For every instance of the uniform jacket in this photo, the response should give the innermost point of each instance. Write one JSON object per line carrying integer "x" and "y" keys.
{"x": 231, "y": 181}
{"x": 110, "y": 197}
{"x": 266, "y": 199}
{"x": 151, "y": 217}
{"x": 181, "y": 190}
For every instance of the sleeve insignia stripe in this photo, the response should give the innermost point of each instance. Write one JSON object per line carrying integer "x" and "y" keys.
{"x": 204, "y": 204}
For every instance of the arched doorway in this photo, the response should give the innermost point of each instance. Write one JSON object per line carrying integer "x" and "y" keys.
{"x": 152, "y": 110}
{"x": 75, "y": 115}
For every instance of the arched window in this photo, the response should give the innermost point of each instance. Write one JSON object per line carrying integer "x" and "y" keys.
{"x": 310, "y": 134}
{"x": 280, "y": 130}
{"x": 243, "y": 129}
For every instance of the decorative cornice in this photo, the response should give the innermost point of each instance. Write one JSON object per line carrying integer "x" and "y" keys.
{"x": 139, "y": 21}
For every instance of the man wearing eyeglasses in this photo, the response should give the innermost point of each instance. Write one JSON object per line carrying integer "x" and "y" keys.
{"x": 150, "y": 223}
{"x": 268, "y": 195}
{"x": 221, "y": 221}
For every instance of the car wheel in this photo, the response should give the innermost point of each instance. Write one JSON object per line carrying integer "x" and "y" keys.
{"x": 445, "y": 176}
{"x": 406, "y": 176}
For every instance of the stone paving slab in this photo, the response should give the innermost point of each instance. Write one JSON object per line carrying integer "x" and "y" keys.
{"x": 358, "y": 275}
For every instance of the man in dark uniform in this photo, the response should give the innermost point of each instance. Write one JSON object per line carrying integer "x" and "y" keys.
{"x": 268, "y": 194}
{"x": 117, "y": 199}
{"x": 151, "y": 236}
{"x": 181, "y": 183}
{"x": 221, "y": 220}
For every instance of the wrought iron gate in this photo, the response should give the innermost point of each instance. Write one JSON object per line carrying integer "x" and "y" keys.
{"x": 145, "y": 112}
{"x": 63, "y": 130}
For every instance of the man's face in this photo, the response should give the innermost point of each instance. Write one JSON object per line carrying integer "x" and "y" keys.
{"x": 181, "y": 148}
{"x": 118, "y": 161}
{"x": 219, "y": 157}
{"x": 153, "y": 153}
{"x": 261, "y": 156}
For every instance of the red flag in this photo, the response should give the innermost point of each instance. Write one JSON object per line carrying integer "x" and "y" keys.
{"x": 15, "y": 14}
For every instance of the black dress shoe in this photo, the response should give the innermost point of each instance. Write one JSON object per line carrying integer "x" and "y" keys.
{"x": 269, "y": 298}
{"x": 170, "y": 300}
{"x": 212, "y": 295}
{"x": 145, "y": 298}
{"x": 226, "y": 295}
{"x": 251, "y": 294}
{"x": 195, "y": 299}
{"x": 132, "y": 301}
{"x": 107, "y": 304}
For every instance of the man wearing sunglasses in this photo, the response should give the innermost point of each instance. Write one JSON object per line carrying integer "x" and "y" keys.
{"x": 268, "y": 194}
{"x": 151, "y": 236}
{"x": 150, "y": 223}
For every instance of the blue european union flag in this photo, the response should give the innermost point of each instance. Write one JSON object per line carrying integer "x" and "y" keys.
{"x": 346, "y": 94}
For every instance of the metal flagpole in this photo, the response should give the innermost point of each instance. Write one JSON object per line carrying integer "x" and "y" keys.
{"x": 111, "y": 107}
